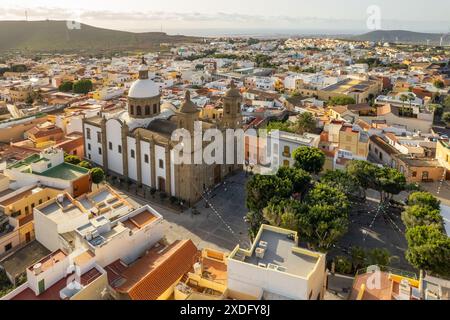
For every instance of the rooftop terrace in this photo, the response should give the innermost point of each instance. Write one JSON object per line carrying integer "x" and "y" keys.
{"x": 281, "y": 253}
{"x": 65, "y": 171}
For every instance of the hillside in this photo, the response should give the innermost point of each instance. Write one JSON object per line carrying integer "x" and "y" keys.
{"x": 402, "y": 36}
{"x": 51, "y": 36}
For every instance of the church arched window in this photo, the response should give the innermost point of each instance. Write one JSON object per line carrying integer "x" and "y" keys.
{"x": 155, "y": 108}
{"x": 147, "y": 110}
{"x": 138, "y": 111}
{"x": 131, "y": 109}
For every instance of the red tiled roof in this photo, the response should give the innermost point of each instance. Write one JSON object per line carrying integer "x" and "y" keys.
{"x": 153, "y": 274}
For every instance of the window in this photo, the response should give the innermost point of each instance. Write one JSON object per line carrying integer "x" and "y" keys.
{"x": 161, "y": 163}
{"x": 89, "y": 146}
{"x": 99, "y": 137}
{"x": 414, "y": 174}
{"x": 27, "y": 210}
{"x": 89, "y": 156}
{"x": 147, "y": 110}
{"x": 110, "y": 145}
{"x": 138, "y": 110}
{"x": 88, "y": 133}
{"x": 286, "y": 163}
{"x": 132, "y": 109}
{"x": 32, "y": 206}
{"x": 155, "y": 109}
{"x": 8, "y": 247}
{"x": 40, "y": 201}
{"x": 99, "y": 150}
{"x": 49, "y": 166}
{"x": 286, "y": 151}
{"x": 132, "y": 153}
{"x": 119, "y": 149}
{"x": 146, "y": 158}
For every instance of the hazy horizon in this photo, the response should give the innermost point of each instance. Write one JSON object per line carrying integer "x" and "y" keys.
{"x": 236, "y": 17}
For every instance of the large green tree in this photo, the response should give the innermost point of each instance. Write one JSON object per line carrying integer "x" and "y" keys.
{"x": 363, "y": 173}
{"x": 262, "y": 188}
{"x": 284, "y": 213}
{"x": 326, "y": 219}
{"x": 322, "y": 226}
{"x": 389, "y": 182}
{"x": 429, "y": 249}
{"x": 424, "y": 199}
{"x": 300, "y": 179}
{"x": 418, "y": 215}
{"x": 66, "y": 86}
{"x": 343, "y": 181}
{"x": 82, "y": 86}
{"x": 309, "y": 159}
{"x": 324, "y": 194}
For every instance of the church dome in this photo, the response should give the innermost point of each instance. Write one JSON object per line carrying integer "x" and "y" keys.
{"x": 143, "y": 88}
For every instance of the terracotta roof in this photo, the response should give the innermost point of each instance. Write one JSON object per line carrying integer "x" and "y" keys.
{"x": 150, "y": 276}
{"x": 383, "y": 145}
{"x": 363, "y": 124}
{"x": 339, "y": 109}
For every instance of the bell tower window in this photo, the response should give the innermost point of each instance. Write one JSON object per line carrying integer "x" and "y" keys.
{"x": 147, "y": 110}
{"x": 138, "y": 111}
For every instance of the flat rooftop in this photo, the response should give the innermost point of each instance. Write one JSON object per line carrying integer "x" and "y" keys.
{"x": 279, "y": 252}
{"x": 61, "y": 211}
{"x": 53, "y": 293}
{"x": 105, "y": 201}
{"x": 65, "y": 171}
{"x": 19, "y": 261}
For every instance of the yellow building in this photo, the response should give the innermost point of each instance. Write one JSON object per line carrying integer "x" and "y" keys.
{"x": 211, "y": 113}
{"x": 443, "y": 153}
{"x": 360, "y": 90}
{"x": 16, "y": 207}
{"x": 354, "y": 141}
{"x": 20, "y": 93}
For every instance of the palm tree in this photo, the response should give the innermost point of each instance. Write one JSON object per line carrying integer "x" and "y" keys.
{"x": 403, "y": 99}
{"x": 306, "y": 122}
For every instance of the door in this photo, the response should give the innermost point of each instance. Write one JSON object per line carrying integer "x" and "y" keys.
{"x": 41, "y": 286}
{"x": 161, "y": 184}
{"x": 27, "y": 237}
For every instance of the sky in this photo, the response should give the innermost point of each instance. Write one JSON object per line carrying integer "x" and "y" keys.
{"x": 240, "y": 16}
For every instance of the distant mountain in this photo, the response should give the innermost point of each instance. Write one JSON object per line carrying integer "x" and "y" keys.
{"x": 60, "y": 36}
{"x": 402, "y": 36}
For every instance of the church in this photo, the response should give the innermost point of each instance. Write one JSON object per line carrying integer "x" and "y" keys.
{"x": 135, "y": 144}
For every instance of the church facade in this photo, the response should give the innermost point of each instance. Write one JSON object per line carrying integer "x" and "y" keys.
{"x": 135, "y": 144}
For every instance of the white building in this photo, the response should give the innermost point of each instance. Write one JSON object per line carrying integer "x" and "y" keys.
{"x": 276, "y": 268}
{"x": 101, "y": 221}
